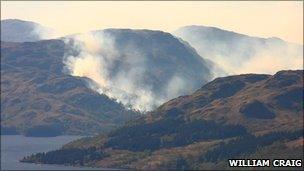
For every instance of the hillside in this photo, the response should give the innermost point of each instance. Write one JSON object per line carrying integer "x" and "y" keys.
{"x": 236, "y": 53}
{"x": 15, "y": 30}
{"x": 41, "y": 95}
{"x": 39, "y": 99}
{"x": 140, "y": 68}
{"x": 242, "y": 116}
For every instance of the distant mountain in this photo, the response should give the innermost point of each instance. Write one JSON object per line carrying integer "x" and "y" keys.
{"x": 39, "y": 99}
{"x": 236, "y": 53}
{"x": 14, "y": 30}
{"x": 242, "y": 116}
{"x": 43, "y": 95}
{"x": 140, "y": 68}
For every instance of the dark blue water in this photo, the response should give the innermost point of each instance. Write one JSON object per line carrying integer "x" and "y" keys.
{"x": 15, "y": 147}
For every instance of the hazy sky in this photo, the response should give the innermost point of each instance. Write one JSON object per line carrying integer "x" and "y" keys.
{"x": 263, "y": 19}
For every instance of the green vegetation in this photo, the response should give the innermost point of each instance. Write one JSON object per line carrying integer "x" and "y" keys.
{"x": 71, "y": 156}
{"x": 247, "y": 145}
{"x": 170, "y": 133}
{"x": 44, "y": 130}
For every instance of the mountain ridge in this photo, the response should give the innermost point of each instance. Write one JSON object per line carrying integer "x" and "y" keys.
{"x": 16, "y": 30}
{"x": 237, "y": 53}
{"x": 233, "y": 32}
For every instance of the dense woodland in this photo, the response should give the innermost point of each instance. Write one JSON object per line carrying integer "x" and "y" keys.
{"x": 246, "y": 145}
{"x": 170, "y": 133}
{"x": 67, "y": 156}
{"x": 242, "y": 145}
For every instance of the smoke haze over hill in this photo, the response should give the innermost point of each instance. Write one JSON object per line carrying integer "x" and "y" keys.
{"x": 135, "y": 74}
{"x": 238, "y": 54}
{"x": 15, "y": 30}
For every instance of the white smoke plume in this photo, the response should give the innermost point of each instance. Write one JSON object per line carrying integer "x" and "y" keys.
{"x": 267, "y": 59}
{"x": 45, "y": 32}
{"x": 272, "y": 60}
{"x": 98, "y": 55}
{"x": 240, "y": 54}
{"x": 95, "y": 60}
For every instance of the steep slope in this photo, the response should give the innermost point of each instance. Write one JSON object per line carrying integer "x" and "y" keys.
{"x": 232, "y": 117}
{"x": 246, "y": 100}
{"x": 238, "y": 53}
{"x": 38, "y": 99}
{"x": 140, "y": 68}
{"x": 14, "y": 30}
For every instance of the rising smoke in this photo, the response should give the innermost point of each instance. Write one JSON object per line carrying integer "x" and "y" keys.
{"x": 125, "y": 72}
{"x": 98, "y": 57}
{"x": 240, "y": 54}
{"x": 44, "y": 33}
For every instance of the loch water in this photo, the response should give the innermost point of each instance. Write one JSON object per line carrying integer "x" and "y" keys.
{"x": 15, "y": 147}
